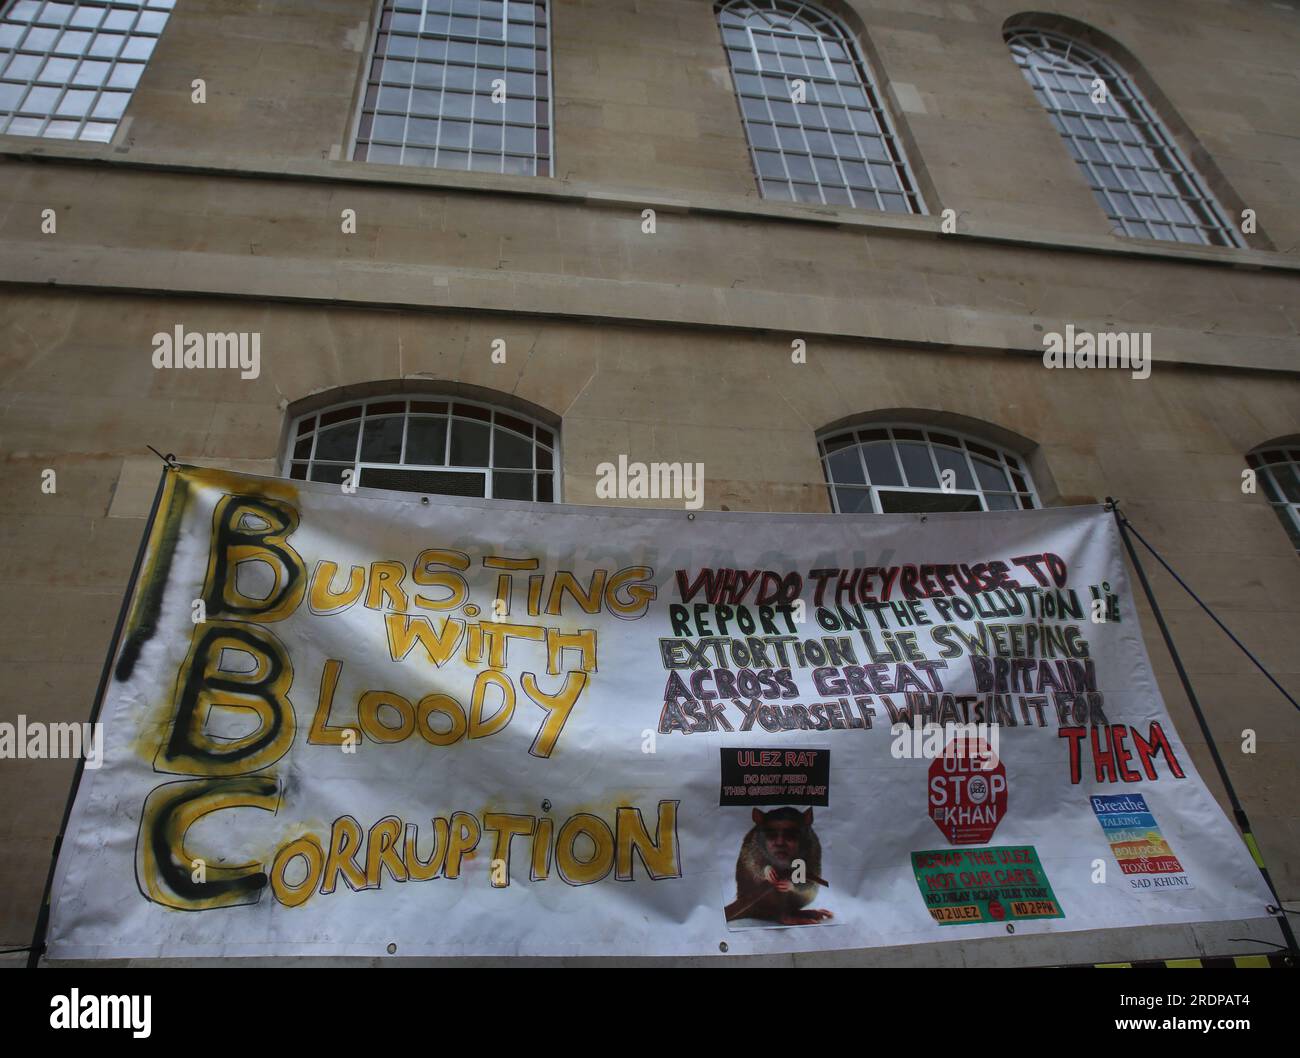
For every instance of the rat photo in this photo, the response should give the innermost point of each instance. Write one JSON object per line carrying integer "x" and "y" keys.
{"x": 778, "y": 843}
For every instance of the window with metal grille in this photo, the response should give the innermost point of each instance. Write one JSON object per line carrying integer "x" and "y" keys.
{"x": 459, "y": 84}
{"x": 67, "y": 70}
{"x": 450, "y": 447}
{"x": 1135, "y": 170}
{"x": 1277, "y": 470}
{"x": 816, "y": 127}
{"x": 902, "y": 469}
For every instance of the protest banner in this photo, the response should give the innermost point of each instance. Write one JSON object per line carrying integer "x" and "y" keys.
{"x": 350, "y": 723}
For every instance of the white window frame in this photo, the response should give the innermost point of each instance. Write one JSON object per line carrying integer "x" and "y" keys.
{"x": 1288, "y": 510}
{"x": 926, "y": 429}
{"x": 1144, "y": 126}
{"x": 359, "y": 465}
{"x": 864, "y": 79}
{"x": 80, "y": 124}
{"x": 354, "y": 132}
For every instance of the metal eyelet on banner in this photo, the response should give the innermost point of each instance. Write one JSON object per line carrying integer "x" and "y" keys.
{"x": 169, "y": 458}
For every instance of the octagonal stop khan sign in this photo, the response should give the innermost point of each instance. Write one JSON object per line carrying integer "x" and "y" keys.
{"x": 968, "y": 792}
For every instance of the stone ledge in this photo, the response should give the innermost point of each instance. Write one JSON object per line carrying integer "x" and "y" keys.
{"x": 365, "y": 284}
{"x": 18, "y": 148}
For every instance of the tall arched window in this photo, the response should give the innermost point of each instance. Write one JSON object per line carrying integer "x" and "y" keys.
{"x": 1136, "y": 171}
{"x": 68, "y": 69}
{"x": 901, "y": 469}
{"x": 1277, "y": 468}
{"x": 459, "y": 84}
{"x": 816, "y": 127}
{"x": 451, "y": 447}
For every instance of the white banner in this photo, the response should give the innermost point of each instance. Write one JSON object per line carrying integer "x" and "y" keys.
{"x": 351, "y": 724}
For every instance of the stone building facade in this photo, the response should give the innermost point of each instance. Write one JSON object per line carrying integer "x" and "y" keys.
{"x": 230, "y": 215}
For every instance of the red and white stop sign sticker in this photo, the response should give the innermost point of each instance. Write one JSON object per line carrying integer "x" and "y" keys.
{"x": 968, "y": 797}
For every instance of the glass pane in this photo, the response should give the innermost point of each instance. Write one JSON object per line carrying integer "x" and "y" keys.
{"x": 846, "y": 467}
{"x": 426, "y": 441}
{"x": 111, "y": 105}
{"x": 329, "y": 418}
{"x": 992, "y": 478}
{"x": 338, "y": 442}
{"x": 386, "y": 155}
{"x": 469, "y": 444}
{"x": 1289, "y": 481}
{"x": 473, "y": 411}
{"x": 382, "y": 441}
{"x": 512, "y": 451}
{"x": 916, "y": 462}
{"x": 854, "y": 501}
{"x": 332, "y": 473}
{"x": 1291, "y": 522}
{"x": 882, "y": 468}
{"x": 956, "y": 462}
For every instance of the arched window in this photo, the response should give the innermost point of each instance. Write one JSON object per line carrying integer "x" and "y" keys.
{"x": 816, "y": 127}
{"x": 67, "y": 70}
{"x": 459, "y": 84}
{"x": 1135, "y": 170}
{"x": 900, "y": 469}
{"x": 1277, "y": 467}
{"x": 452, "y": 447}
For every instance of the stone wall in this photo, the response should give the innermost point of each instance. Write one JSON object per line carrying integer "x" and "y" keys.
{"x": 671, "y": 346}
